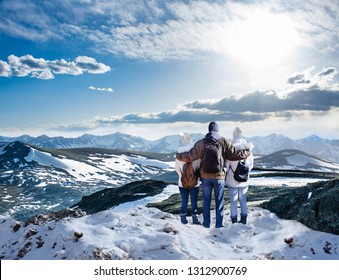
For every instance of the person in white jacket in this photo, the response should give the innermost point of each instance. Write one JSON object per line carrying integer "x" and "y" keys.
{"x": 185, "y": 145}
{"x": 238, "y": 190}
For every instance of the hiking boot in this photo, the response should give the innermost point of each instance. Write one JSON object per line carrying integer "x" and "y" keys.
{"x": 234, "y": 219}
{"x": 183, "y": 219}
{"x": 243, "y": 219}
{"x": 195, "y": 220}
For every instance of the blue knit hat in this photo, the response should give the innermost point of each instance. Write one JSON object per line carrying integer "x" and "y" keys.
{"x": 213, "y": 126}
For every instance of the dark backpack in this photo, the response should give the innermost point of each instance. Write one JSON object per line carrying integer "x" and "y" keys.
{"x": 188, "y": 177}
{"x": 242, "y": 172}
{"x": 213, "y": 161}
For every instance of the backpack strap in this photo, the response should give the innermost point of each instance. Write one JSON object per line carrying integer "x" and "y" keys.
{"x": 242, "y": 160}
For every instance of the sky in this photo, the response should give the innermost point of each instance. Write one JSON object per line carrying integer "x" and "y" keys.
{"x": 156, "y": 68}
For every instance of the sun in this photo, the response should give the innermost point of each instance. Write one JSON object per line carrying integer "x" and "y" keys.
{"x": 263, "y": 40}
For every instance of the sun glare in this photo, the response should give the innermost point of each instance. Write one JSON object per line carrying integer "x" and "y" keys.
{"x": 263, "y": 40}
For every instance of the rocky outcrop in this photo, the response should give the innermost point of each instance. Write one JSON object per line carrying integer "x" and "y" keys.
{"x": 110, "y": 197}
{"x": 315, "y": 205}
{"x": 54, "y": 216}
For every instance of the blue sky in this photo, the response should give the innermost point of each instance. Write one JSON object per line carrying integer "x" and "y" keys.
{"x": 153, "y": 68}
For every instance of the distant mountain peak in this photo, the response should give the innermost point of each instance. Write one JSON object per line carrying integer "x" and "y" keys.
{"x": 277, "y": 135}
{"x": 291, "y": 159}
{"x": 313, "y": 137}
{"x": 263, "y": 145}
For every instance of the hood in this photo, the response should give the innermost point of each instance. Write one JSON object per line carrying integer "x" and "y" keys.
{"x": 212, "y": 136}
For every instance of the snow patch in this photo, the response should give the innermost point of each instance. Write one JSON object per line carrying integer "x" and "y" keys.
{"x": 302, "y": 160}
{"x": 81, "y": 171}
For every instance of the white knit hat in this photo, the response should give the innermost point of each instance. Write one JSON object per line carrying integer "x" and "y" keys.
{"x": 237, "y": 133}
{"x": 185, "y": 139}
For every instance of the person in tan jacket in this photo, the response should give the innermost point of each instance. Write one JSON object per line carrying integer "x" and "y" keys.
{"x": 213, "y": 150}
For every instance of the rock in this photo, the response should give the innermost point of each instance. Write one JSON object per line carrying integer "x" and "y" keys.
{"x": 168, "y": 228}
{"x": 99, "y": 254}
{"x": 318, "y": 211}
{"x": 289, "y": 242}
{"x": 110, "y": 197}
{"x": 54, "y": 216}
{"x": 77, "y": 235}
{"x": 39, "y": 242}
{"x": 24, "y": 250}
{"x": 16, "y": 227}
{"x": 31, "y": 232}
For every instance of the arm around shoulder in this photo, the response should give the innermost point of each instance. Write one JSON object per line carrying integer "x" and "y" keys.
{"x": 232, "y": 153}
{"x": 193, "y": 154}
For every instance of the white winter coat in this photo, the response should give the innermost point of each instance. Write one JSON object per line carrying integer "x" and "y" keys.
{"x": 239, "y": 144}
{"x": 179, "y": 164}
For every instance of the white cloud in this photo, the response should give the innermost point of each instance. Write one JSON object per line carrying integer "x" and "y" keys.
{"x": 28, "y": 20}
{"x": 306, "y": 79}
{"x": 90, "y": 65}
{"x": 28, "y": 66}
{"x": 201, "y": 26}
{"x": 101, "y": 89}
{"x": 159, "y": 30}
{"x": 318, "y": 94}
{"x": 5, "y": 69}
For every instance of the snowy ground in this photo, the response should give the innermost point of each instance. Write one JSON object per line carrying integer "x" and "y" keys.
{"x": 133, "y": 231}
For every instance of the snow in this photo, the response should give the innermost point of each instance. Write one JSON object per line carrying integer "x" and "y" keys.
{"x": 134, "y": 231}
{"x": 166, "y": 193}
{"x": 155, "y": 163}
{"x": 302, "y": 160}
{"x": 80, "y": 170}
{"x": 2, "y": 147}
{"x": 119, "y": 163}
{"x": 282, "y": 181}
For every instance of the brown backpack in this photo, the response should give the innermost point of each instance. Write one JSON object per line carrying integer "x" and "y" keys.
{"x": 188, "y": 177}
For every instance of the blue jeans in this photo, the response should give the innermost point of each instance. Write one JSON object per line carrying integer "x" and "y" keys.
{"x": 218, "y": 186}
{"x": 185, "y": 194}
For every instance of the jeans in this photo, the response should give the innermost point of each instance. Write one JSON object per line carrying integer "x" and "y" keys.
{"x": 185, "y": 194}
{"x": 218, "y": 186}
{"x": 235, "y": 195}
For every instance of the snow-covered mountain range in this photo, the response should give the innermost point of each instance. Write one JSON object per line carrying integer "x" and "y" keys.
{"x": 77, "y": 166}
{"x": 295, "y": 160}
{"x": 313, "y": 145}
{"x": 117, "y": 140}
{"x": 35, "y": 179}
{"x": 263, "y": 145}
{"x": 23, "y": 164}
